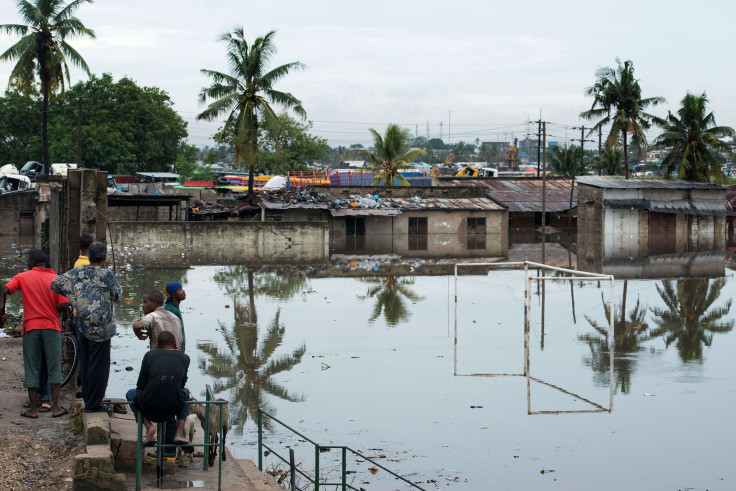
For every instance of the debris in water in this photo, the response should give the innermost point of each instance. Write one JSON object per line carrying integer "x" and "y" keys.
{"x": 476, "y": 407}
{"x": 547, "y": 471}
{"x": 325, "y": 366}
{"x": 128, "y": 369}
{"x": 647, "y": 394}
{"x": 373, "y": 469}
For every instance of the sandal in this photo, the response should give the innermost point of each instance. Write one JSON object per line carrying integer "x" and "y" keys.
{"x": 62, "y": 413}
{"x": 185, "y": 446}
{"x": 44, "y": 407}
{"x": 26, "y": 414}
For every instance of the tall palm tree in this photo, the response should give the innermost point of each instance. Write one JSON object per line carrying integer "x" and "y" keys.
{"x": 609, "y": 162}
{"x": 694, "y": 139}
{"x": 42, "y": 51}
{"x": 688, "y": 318}
{"x": 568, "y": 161}
{"x": 629, "y": 331}
{"x": 246, "y": 94}
{"x": 389, "y": 302}
{"x": 617, "y": 101}
{"x": 390, "y": 154}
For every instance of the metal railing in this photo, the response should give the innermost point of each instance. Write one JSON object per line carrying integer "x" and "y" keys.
{"x": 209, "y": 400}
{"x": 317, "y": 450}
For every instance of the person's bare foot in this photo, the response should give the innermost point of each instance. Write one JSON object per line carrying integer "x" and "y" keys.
{"x": 151, "y": 435}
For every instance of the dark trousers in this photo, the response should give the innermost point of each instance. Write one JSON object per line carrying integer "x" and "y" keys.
{"x": 44, "y": 388}
{"x": 94, "y": 367}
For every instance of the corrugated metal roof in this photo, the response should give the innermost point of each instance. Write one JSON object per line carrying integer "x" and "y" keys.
{"x": 522, "y": 194}
{"x": 618, "y": 182}
{"x": 288, "y": 205}
{"x": 353, "y": 212}
{"x": 445, "y": 204}
{"x": 679, "y": 206}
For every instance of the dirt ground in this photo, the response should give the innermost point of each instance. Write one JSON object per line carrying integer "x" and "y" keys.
{"x": 34, "y": 453}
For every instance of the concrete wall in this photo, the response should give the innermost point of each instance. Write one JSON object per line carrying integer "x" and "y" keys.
{"x": 167, "y": 243}
{"x": 22, "y": 215}
{"x": 446, "y": 235}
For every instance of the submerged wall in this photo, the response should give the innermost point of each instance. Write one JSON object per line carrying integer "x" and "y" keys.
{"x": 195, "y": 243}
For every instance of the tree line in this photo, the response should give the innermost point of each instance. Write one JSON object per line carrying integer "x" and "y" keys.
{"x": 126, "y": 128}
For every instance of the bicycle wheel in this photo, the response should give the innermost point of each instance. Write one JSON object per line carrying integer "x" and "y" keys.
{"x": 69, "y": 357}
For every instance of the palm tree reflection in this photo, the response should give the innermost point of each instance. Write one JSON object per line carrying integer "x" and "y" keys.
{"x": 628, "y": 335}
{"x": 688, "y": 318}
{"x": 389, "y": 302}
{"x": 248, "y": 367}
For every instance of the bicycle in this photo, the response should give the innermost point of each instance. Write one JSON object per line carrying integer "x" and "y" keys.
{"x": 69, "y": 354}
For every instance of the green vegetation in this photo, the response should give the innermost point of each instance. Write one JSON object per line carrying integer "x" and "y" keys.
{"x": 246, "y": 94}
{"x": 125, "y": 127}
{"x": 289, "y": 146}
{"x": 617, "y": 101}
{"x": 609, "y": 162}
{"x": 568, "y": 162}
{"x": 695, "y": 140}
{"x": 42, "y": 52}
{"x": 390, "y": 155}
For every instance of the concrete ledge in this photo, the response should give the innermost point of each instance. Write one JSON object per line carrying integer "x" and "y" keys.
{"x": 96, "y": 428}
{"x": 95, "y": 464}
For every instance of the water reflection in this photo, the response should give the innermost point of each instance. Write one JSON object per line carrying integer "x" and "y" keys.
{"x": 247, "y": 370}
{"x": 389, "y": 293}
{"x": 629, "y": 332}
{"x": 687, "y": 318}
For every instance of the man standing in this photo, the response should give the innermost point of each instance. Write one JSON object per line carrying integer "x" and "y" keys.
{"x": 160, "y": 393}
{"x": 175, "y": 294}
{"x": 84, "y": 242}
{"x": 92, "y": 289}
{"x": 41, "y": 328}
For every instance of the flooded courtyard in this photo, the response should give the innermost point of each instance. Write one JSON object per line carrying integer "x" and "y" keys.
{"x": 365, "y": 354}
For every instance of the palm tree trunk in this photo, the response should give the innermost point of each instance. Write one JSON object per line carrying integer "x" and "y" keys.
{"x": 626, "y": 155}
{"x": 45, "y": 127}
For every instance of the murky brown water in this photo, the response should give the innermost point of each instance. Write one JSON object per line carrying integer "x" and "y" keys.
{"x": 368, "y": 360}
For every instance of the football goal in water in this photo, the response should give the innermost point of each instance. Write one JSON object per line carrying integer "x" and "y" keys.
{"x": 535, "y": 278}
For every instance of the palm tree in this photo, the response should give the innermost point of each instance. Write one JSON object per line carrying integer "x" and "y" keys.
{"x": 568, "y": 161}
{"x": 42, "y": 51}
{"x": 609, "y": 162}
{"x": 695, "y": 139}
{"x": 617, "y": 101}
{"x": 628, "y": 334}
{"x": 390, "y": 154}
{"x": 248, "y": 368}
{"x": 389, "y": 302}
{"x": 688, "y": 318}
{"x": 246, "y": 95}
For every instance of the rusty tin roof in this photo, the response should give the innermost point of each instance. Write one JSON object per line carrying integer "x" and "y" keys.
{"x": 523, "y": 194}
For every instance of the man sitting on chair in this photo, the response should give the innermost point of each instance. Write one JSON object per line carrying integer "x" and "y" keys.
{"x": 160, "y": 393}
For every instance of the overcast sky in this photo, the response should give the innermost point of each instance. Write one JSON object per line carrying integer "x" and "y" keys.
{"x": 481, "y": 68}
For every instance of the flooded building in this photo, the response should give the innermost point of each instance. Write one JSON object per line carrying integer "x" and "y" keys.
{"x": 620, "y": 218}
{"x": 523, "y": 197}
{"x": 433, "y": 222}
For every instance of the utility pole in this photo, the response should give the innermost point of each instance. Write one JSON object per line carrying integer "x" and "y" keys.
{"x": 544, "y": 217}
{"x": 539, "y": 143}
{"x": 449, "y": 126}
{"x": 600, "y": 147}
{"x": 79, "y": 134}
{"x": 582, "y": 140}
{"x": 440, "y": 130}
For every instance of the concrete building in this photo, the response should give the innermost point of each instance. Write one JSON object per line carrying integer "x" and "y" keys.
{"x": 620, "y": 218}
{"x": 439, "y": 223}
{"x": 522, "y": 196}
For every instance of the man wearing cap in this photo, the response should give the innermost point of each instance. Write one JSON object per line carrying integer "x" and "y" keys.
{"x": 175, "y": 294}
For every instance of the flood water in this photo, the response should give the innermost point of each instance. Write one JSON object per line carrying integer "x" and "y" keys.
{"x": 350, "y": 356}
